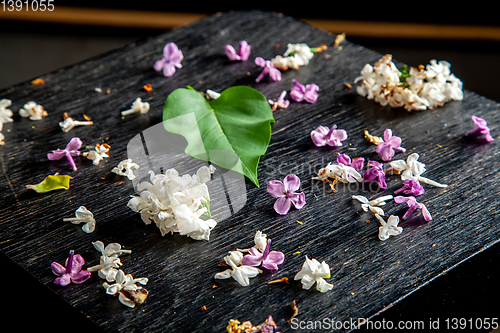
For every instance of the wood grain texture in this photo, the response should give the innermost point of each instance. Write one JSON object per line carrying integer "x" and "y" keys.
{"x": 367, "y": 274}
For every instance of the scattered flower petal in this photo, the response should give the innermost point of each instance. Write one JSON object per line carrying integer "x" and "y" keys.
{"x": 126, "y": 289}
{"x": 322, "y": 136}
{"x": 280, "y": 103}
{"x": 372, "y": 138}
{"x": 411, "y": 187}
{"x": 307, "y": 93}
{"x": 124, "y": 168}
{"x": 375, "y": 172}
{"x": 69, "y": 123}
{"x": 71, "y": 272}
{"x": 51, "y": 183}
{"x": 482, "y": 128}
{"x": 68, "y": 152}
{"x": 390, "y": 144}
{"x": 33, "y": 111}
{"x": 269, "y": 68}
{"x": 172, "y": 58}
{"x": 242, "y": 273}
{"x": 412, "y": 206}
{"x": 372, "y": 205}
{"x": 137, "y": 106}
{"x": 285, "y": 192}
{"x": 100, "y": 152}
{"x": 242, "y": 54}
{"x": 268, "y": 260}
{"x": 389, "y": 228}
{"x": 314, "y": 272}
{"x": 357, "y": 163}
{"x": 83, "y": 215}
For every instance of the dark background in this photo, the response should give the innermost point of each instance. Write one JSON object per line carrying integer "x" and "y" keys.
{"x": 28, "y": 50}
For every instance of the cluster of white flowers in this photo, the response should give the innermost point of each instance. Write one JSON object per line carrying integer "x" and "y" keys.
{"x": 5, "y": 116}
{"x": 419, "y": 89}
{"x": 295, "y": 56}
{"x": 175, "y": 203}
{"x": 124, "y": 285}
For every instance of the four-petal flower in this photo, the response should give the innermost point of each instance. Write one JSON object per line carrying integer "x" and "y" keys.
{"x": 314, "y": 272}
{"x": 285, "y": 192}
{"x": 71, "y": 272}
{"x": 390, "y": 144}
{"x": 376, "y": 171}
{"x": 412, "y": 206}
{"x": 308, "y": 93}
{"x": 322, "y": 136}
{"x": 269, "y": 68}
{"x": 242, "y": 54}
{"x": 70, "y": 150}
{"x": 172, "y": 58}
{"x": 268, "y": 260}
{"x": 389, "y": 228}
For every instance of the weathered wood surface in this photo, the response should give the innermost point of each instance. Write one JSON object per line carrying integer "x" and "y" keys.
{"x": 368, "y": 274}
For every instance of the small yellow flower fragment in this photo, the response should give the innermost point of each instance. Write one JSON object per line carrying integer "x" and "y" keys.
{"x": 299, "y": 222}
{"x": 50, "y": 183}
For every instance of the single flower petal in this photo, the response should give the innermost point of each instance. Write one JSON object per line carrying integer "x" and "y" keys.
{"x": 231, "y": 53}
{"x": 64, "y": 280}
{"x": 323, "y": 286}
{"x": 276, "y": 188}
{"x": 80, "y": 276}
{"x": 282, "y": 205}
{"x": 298, "y": 199}
{"x": 292, "y": 183}
{"x": 57, "y": 268}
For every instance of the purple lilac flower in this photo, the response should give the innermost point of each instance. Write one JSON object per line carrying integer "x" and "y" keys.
{"x": 269, "y": 68}
{"x": 268, "y": 260}
{"x": 306, "y": 93}
{"x": 390, "y": 144}
{"x": 412, "y": 206}
{"x": 72, "y": 272}
{"x": 377, "y": 171}
{"x": 285, "y": 192}
{"x": 242, "y": 54}
{"x": 411, "y": 187}
{"x": 482, "y": 128}
{"x": 70, "y": 150}
{"x": 322, "y": 136}
{"x": 357, "y": 163}
{"x": 172, "y": 58}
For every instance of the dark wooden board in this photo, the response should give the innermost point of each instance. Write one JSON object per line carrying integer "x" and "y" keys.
{"x": 368, "y": 274}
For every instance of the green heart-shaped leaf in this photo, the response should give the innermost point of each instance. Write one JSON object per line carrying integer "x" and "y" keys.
{"x": 238, "y": 121}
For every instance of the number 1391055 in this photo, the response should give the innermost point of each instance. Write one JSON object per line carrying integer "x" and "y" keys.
{"x": 27, "y": 5}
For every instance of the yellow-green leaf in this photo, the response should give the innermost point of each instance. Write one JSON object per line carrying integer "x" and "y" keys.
{"x": 50, "y": 183}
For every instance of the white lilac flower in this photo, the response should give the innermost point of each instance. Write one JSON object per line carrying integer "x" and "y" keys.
{"x": 389, "y": 228}
{"x": 296, "y": 55}
{"x": 260, "y": 240}
{"x": 241, "y": 273}
{"x": 417, "y": 89}
{"x": 124, "y": 168}
{"x": 33, "y": 111}
{"x": 5, "y": 113}
{"x": 69, "y": 123}
{"x": 83, "y": 215}
{"x": 100, "y": 152}
{"x": 372, "y": 205}
{"x": 411, "y": 169}
{"x": 109, "y": 263}
{"x": 339, "y": 172}
{"x": 124, "y": 285}
{"x": 314, "y": 272}
{"x": 137, "y": 106}
{"x": 176, "y": 203}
